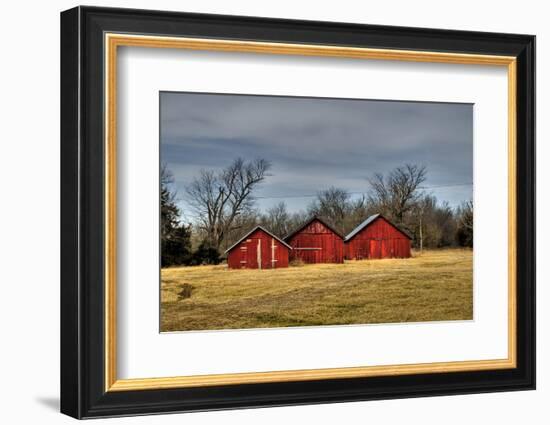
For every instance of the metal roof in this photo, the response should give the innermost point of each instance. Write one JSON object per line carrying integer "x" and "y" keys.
{"x": 369, "y": 221}
{"x": 361, "y": 226}
{"x": 252, "y": 231}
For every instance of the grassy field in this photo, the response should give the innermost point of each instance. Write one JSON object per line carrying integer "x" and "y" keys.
{"x": 436, "y": 285}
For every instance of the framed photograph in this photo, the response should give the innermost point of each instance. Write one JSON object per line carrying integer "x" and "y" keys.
{"x": 261, "y": 212}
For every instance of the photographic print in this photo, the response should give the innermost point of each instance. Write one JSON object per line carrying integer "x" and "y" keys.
{"x": 280, "y": 211}
{"x": 307, "y": 196}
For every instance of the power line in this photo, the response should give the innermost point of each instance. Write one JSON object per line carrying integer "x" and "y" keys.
{"x": 313, "y": 195}
{"x": 447, "y": 185}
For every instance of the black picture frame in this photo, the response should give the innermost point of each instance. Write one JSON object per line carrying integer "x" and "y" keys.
{"x": 83, "y": 392}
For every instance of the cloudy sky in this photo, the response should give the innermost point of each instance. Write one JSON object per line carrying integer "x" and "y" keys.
{"x": 315, "y": 143}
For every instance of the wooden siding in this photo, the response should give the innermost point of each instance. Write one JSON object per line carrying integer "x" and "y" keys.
{"x": 316, "y": 243}
{"x": 258, "y": 251}
{"x": 380, "y": 239}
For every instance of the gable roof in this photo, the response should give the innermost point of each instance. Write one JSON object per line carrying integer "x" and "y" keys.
{"x": 366, "y": 223}
{"x": 252, "y": 231}
{"x": 308, "y": 222}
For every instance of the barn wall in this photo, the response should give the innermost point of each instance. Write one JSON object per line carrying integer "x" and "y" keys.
{"x": 324, "y": 246}
{"x": 245, "y": 254}
{"x": 379, "y": 239}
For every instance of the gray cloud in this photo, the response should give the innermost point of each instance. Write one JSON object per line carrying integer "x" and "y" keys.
{"x": 314, "y": 143}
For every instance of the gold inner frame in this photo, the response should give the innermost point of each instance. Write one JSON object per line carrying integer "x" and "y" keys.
{"x": 113, "y": 41}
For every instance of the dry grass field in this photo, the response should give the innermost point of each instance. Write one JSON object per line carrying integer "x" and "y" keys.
{"x": 436, "y": 285}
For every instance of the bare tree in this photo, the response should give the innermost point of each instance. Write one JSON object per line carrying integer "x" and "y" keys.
{"x": 332, "y": 204}
{"x": 397, "y": 193}
{"x": 219, "y": 197}
{"x": 432, "y": 223}
{"x": 297, "y": 218}
{"x": 420, "y": 209}
{"x": 277, "y": 219}
{"x": 465, "y": 224}
{"x": 359, "y": 210}
{"x": 242, "y": 224}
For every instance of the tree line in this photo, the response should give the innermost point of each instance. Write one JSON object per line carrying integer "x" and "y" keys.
{"x": 223, "y": 206}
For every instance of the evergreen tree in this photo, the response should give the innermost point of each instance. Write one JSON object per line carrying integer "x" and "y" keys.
{"x": 175, "y": 237}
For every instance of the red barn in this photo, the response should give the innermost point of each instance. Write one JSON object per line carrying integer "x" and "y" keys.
{"x": 316, "y": 242}
{"x": 377, "y": 237}
{"x": 258, "y": 249}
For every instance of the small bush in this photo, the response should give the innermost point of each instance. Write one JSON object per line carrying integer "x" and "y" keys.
{"x": 297, "y": 262}
{"x": 186, "y": 290}
{"x": 205, "y": 255}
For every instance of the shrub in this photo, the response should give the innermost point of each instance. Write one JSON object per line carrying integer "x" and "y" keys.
{"x": 186, "y": 290}
{"x": 297, "y": 262}
{"x": 205, "y": 254}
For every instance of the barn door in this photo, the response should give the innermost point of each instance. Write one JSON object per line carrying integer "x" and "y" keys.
{"x": 375, "y": 248}
{"x": 362, "y": 250}
{"x": 262, "y": 252}
{"x": 384, "y": 249}
{"x": 267, "y": 251}
{"x": 394, "y": 248}
{"x": 251, "y": 253}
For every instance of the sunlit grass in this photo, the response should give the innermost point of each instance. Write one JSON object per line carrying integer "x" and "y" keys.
{"x": 436, "y": 285}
